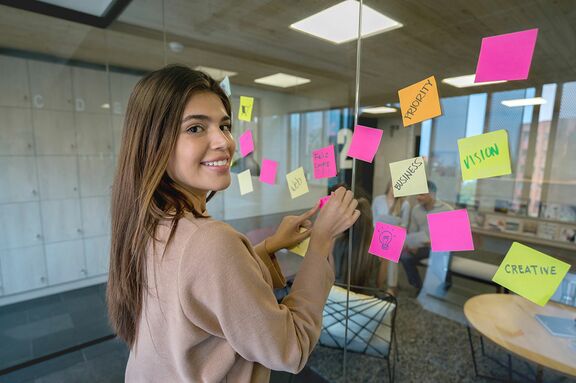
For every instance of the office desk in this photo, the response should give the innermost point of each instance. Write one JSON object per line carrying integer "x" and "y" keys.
{"x": 509, "y": 321}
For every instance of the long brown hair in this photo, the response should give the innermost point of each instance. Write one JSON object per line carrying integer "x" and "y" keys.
{"x": 142, "y": 192}
{"x": 396, "y": 207}
{"x": 363, "y": 263}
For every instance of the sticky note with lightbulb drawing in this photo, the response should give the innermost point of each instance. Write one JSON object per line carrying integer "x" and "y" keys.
{"x": 387, "y": 241}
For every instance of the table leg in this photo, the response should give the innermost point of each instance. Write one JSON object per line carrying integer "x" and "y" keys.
{"x": 472, "y": 350}
{"x": 539, "y": 374}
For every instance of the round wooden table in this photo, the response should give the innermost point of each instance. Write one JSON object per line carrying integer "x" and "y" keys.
{"x": 509, "y": 321}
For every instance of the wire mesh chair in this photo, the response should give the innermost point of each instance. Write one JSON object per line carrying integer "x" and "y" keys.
{"x": 371, "y": 324}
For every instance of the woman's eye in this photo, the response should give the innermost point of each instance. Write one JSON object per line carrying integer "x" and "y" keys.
{"x": 195, "y": 129}
{"x": 226, "y": 128}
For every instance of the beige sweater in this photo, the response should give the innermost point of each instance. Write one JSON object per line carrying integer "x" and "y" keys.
{"x": 211, "y": 316}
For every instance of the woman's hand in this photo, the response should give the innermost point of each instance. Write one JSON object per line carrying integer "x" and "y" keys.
{"x": 288, "y": 233}
{"x": 337, "y": 215}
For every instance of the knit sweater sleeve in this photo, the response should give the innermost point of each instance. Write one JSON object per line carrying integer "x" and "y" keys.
{"x": 224, "y": 289}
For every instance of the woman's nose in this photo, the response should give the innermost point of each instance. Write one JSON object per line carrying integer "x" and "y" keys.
{"x": 219, "y": 139}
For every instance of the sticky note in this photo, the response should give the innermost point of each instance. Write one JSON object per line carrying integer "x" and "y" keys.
{"x": 530, "y": 273}
{"x": 409, "y": 177}
{"x": 387, "y": 241}
{"x": 450, "y": 231}
{"x": 324, "y": 162}
{"x": 246, "y": 105}
{"x": 485, "y": 155}
{"x": 323, "y": 201}
{"x": 225, "y": 85}
{"x": 245, "y": 182}
{"x": 364, "y": 143}
{"x": 246, "y": 143}
{"x": 297, "y": 183}
{"x": 268, "y": 171}
{"x": 419, "y": 102}
{"x": 506, "y": 57}
{"x": 302, "y": 247}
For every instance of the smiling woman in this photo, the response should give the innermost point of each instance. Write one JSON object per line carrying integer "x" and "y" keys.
{"x": 190, "y": 295}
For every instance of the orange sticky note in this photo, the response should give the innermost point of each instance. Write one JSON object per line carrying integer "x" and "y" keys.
{"x": 419, "y": 102}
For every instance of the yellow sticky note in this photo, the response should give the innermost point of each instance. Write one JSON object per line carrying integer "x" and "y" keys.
{"x": 302, "y": 247}
{"x": 530, "y": 273}
{"x": 297, "y": 183}
{"x": 246, "y": 105}
{"x": 245, "y": 182}
{"x": 409, "y": 177}
{"x": 485, "y": 155}
{"x": 419, "y": 102}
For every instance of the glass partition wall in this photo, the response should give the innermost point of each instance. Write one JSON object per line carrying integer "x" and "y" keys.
{"x": 64, "y": 87}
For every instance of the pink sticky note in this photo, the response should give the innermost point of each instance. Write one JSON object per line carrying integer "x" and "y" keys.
{"x": 387, "y": 241}
{"x": 506, "y": 57}
{"x": 365, "y": 142}
{"x": 324, "y": 162}
{"x": 268, "y": 171}
{"x": 323, "y": 201}
{"x": 246, "y": 143}
{"x": 450, "y": 231}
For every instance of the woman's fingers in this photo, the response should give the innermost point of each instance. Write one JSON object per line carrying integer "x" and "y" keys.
{"x": 306, "y": 224}
{"x": 303, "y": 217}
{"x": 352, "y": 207}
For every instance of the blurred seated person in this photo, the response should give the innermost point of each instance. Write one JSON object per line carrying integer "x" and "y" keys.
{"x": 417, "y": 246}
{"x": 393, "y": 211}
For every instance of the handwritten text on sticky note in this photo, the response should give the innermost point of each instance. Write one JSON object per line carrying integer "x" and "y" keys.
{"x": 387, "y": 241}
{"x": 297, "y": 183}
{"x": 246, "y": 105}
{"x": 268, "y": 171}
{"x": 530, "y": 273}
{"x": 450, "y": 231}
{"x": 324, "y": 162}
{"x": 365, "y": 142}
{"x": 246, "y": 143}
{"x": 485, "y": 155}
{"x": 506, "y": 57}
{"x": 408, "y": 177}
{"x": 245, "y": 182}
{"x": 419, "y": 102}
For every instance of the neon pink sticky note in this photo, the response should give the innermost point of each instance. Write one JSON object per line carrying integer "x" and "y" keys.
{"x": 506, "y": 57}
{"x": 268, "y": 171}
{"x": 450, "y": 231}
{"x": 365, "y": 142}
{"x": 324, "y": 162}
{"x": 246, "y": 143}
{"x": 387, "y": 241}
{"x": 323, "y": 201}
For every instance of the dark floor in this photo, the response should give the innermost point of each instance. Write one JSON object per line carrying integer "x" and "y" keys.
{"x": 432, "y": 348}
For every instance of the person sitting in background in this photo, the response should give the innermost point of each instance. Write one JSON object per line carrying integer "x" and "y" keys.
{"x": 394, "y": 211}
{"x": 418, "y": 228}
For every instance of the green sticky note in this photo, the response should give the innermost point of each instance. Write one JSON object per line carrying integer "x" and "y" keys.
{"x": 408, "y": 177}
{"x": 485, "y": 155}
{"x": 530, "y": 273}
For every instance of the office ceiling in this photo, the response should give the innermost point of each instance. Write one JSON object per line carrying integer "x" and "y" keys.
{"x": 253, "y": 38}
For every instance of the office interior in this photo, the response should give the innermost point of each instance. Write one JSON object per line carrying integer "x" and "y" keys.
{"x": 66, "y": 72}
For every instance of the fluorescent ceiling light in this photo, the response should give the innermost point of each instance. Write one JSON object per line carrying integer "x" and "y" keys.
{"x": 524, "y": 102}
{"x": 92, "y": 7}
{"x": 467, "y": 81}
{"x": 215, "y": 73}
{"x": 282, "y": 80}
{"x": 379, "y": 110}
{"x": 339, "y": 23}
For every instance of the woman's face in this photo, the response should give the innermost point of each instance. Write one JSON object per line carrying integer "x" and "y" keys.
{"x": 204, "y": 149}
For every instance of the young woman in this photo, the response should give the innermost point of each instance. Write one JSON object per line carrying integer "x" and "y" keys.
{"x": 394, "y": 211}
{"x": 190, "y": 295}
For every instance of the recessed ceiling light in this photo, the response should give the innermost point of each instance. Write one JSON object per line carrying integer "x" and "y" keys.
{"x": 94, "y": 7}
{"x": 379, "y": 110}
{"x": 215, "y": 73}
{"x": 175, "y": 46}
{"x": 524, "y": 102}
{"x": 339, "y": 23}
{"x": 105, "y": 106}
{"x": 467, "y": 81}
{"x": 282, "y": 80}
